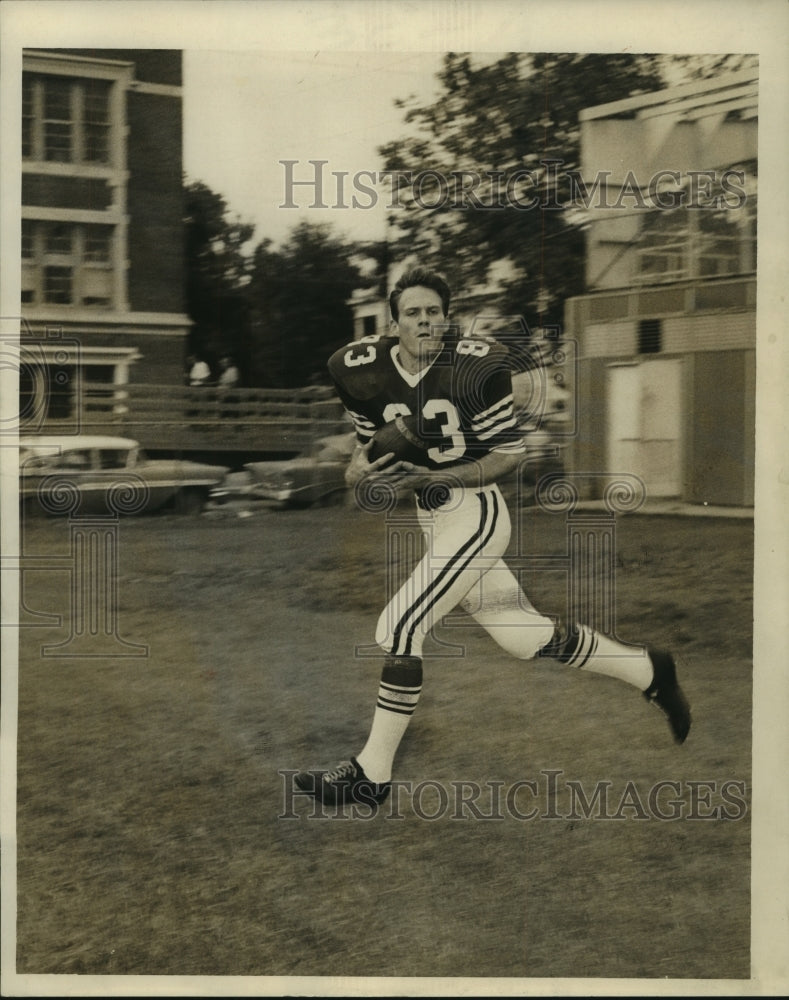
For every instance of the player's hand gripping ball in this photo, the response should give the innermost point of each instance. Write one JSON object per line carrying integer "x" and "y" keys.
{"x": 401, "y": 437}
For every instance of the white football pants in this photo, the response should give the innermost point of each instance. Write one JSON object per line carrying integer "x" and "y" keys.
{"x": 465, "y": 540}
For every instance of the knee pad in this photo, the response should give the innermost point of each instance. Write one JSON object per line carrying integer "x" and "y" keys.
{"x": 525, "y": 639}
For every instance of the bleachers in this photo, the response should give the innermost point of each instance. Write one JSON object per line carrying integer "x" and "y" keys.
{"x": 163, "y": 417}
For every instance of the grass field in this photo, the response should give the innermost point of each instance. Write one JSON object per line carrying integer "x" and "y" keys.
{"x": 155, "y": 836}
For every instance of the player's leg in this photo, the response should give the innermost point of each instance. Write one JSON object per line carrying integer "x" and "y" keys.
{"x": 653, "y": 671}
{"x": 463, "y": 540}
{"x": 499, "y": 604}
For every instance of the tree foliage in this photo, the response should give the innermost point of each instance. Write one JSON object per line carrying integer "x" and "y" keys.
{"x": 703, "y": 67}
{"x": 279, "y": 312}
{"x": 514, "y": 118}
{"x": 483, "y": 176}
{"x": 299, "y": 297}
{"x": 217, "y": 274}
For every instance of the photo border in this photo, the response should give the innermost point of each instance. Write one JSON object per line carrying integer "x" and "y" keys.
{"x": 463, "y": 25}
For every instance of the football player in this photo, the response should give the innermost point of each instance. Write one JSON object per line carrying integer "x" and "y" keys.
{"x": 461, "y": 391}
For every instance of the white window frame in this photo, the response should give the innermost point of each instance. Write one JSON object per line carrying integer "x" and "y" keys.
{"x": 42, "y": 258}
{"x": 77, "y": 123}
{"x": 118, "y": 74}
{"x": 686, "y": 249}
{"x": 119, "y": 359}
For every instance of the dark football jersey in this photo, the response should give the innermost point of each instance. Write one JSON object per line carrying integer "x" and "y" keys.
{"x": 463, "y": 399}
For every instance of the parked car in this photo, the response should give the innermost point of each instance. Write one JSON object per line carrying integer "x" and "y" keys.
{"x": 319, "y": 476}
{"x": 314, "y": 477}
{"x": 98, "y": 474}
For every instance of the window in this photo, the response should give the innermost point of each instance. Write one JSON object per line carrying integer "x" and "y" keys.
{"x": 67, "y": 264}
{"x": 726, "y": 241}
{"x": 96, "y": 128}
{"x": 701, "y": 242}
{"x": 57, "y": 285}
{"x": 27, "y": 116}
{"x": 650, "y": 335}
{"x": 58, "y": 124}
{"x": 96, "y": 273}
{"x": 58, "y": 239}
{"x": 97, "y": 244}
{"x": 61, "y": 391}
{"x": 27, "y": 239}
{"x": 664, "y": 247}
{"x": 65, "y": 119}
{"x": 74, "y": 460}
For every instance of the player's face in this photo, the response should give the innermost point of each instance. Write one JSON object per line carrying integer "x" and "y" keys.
{"x": 421, "y": 326}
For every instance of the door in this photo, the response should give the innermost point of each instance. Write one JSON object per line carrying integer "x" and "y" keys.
{"x": 644, "y": 423}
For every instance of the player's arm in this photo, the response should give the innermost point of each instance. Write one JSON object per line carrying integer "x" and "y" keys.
{"x": 344, "y": 365}
{"x": 360, "y": 465}
{"x": 483, "y": 471}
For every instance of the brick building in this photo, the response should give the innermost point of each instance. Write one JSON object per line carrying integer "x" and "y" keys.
{"x": 102, "y": 225}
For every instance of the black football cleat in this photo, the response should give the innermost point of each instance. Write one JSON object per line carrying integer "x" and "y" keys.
{"x": 346, "y": 783}
{"x": 665, "y": 692}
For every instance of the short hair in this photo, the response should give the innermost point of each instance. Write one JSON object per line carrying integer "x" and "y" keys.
{"x": 419, "y": 276}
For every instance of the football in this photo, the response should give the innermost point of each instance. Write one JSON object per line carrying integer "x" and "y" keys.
{"x": 401, "y": 437}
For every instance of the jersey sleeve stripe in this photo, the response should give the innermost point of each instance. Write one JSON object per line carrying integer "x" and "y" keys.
{"x": 504, "y": 401}
{"x": 492, "y": 417}
{"x": 364, "y": 427}
{"x": 498, "y": 429}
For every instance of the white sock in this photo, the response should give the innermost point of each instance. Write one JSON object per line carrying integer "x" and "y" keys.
{"x": 398, "y": 694}
{"x": 586, "y": 649}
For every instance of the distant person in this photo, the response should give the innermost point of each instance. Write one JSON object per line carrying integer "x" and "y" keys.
{"x": 229, "y": 374}
{"x": 199, "y": 372}
{"x": 228, "y": 379}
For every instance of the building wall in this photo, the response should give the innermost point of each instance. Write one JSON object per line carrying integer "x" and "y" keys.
{"x": 641, "y": 155}
{"x": 717, "y": 402}
{"x": 646, "y": 146}
{"x": 121, "y": 308}
{"x": 721, "y": 458}
{"x": 162, "y": 66}
{"x": 155, "y": 203}
{"x": 670, "y": 284}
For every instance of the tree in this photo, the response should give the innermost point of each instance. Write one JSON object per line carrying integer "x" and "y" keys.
{"x": 507, "y": 136}
{"x": 218, "y": 270}
{"x": 684, "y": 69}
{"x": 299, "y": 299}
